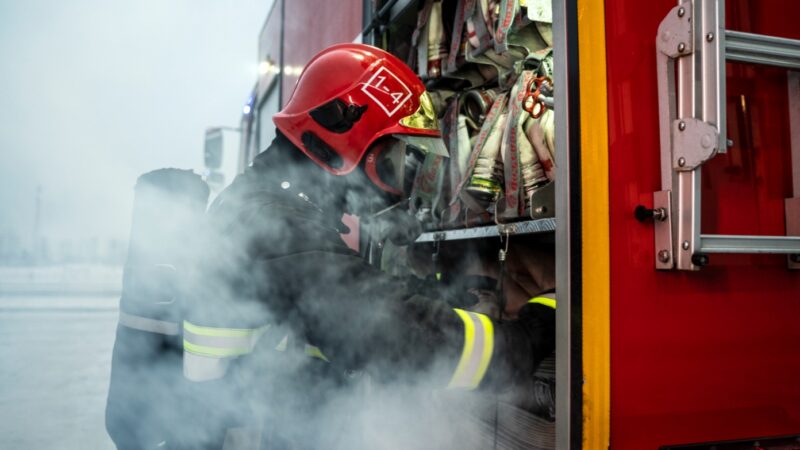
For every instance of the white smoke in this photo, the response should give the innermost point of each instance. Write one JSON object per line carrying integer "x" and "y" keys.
{"x": 378, "y": 390}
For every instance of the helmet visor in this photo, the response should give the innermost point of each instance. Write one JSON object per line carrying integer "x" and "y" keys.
{"x": 397, "y": 166}
{"x": 397, "y": 163}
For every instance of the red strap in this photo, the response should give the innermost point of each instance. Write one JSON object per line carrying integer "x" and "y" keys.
{"x": 512, "y": 167}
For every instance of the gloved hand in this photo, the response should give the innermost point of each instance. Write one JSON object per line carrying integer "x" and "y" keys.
{"x": 396, "y": 225}
{"x": 471, "y": 292}
{"x": 520, "y": 345}
{"x": 487, "y": 302}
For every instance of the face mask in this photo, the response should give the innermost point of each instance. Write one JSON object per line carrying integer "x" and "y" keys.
{"x": 394, "y": 166}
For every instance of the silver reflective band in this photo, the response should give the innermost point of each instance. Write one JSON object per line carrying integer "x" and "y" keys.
{"x": 146, "y": 324}
{"x": 477, "y": 350}
{"x": 204, "y": 368}
{"x": 207, "y": 351}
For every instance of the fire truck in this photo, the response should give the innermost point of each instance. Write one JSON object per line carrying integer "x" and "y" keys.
{"x": 674, "y": 207}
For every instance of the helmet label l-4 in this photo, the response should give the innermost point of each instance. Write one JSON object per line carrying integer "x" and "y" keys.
{"x": 387, "y": 90}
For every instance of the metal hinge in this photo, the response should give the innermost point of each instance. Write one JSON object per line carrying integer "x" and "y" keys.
{"x": 675, "y": 33}
{"x": 693, "y": 143}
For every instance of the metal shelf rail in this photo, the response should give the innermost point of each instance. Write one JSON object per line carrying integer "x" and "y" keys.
{"x": 489, "y": 231}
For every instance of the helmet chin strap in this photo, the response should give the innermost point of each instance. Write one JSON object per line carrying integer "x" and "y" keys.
{"x": 384, "y": 216}
{"x": 371, "y": 169}
{"x": 399, "y": 204}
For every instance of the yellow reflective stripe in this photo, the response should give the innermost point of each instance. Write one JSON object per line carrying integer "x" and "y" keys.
{"x": 466, "y": 352}
{"x": 205, "y": 350}
{"x": 221, "y": 332}
{"x": 315, "y": 352}
{"x": 488, "y": 348}
{"x": 549, "y": 302}
{"x": 477, "y": 351}
{"x": 219, "y": 342}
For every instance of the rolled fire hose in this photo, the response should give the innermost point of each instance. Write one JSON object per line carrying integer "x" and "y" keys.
{"x": 483, "y": 184}
{"x": 458, "y": 43}
{"x": 541, "y": 13}
{"x": 522, "y": 170}
{"x": 419, "y": 41}
{"x": 541, "y": 134}
{"x": 476, "y": 104}
{"x": 437, "y": 41}
{"x": 464, "y": 145}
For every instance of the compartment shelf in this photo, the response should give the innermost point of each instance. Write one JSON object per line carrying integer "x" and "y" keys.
{"x": 547, "y": 225}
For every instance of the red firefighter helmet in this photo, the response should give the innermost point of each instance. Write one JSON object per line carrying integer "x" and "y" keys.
{"x": 347, "y": 97}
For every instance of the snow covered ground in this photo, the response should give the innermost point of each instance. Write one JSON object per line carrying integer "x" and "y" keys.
{"x": 55, "y": 358}
{"x": 61, "y": 279}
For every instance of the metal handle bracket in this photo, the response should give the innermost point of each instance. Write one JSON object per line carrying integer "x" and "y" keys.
{"x": 691, "y": 49}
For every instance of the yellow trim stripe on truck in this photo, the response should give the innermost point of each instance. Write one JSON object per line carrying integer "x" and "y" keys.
{"x": 595, "y": 226}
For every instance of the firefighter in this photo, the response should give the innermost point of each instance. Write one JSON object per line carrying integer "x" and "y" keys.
{"x": 283, "y": 305}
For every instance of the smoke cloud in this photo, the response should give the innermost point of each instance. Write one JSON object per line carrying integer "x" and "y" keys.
{"x": 266, "y": 257}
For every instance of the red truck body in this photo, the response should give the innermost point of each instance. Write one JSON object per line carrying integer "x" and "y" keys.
{"x": 715, "y": 354}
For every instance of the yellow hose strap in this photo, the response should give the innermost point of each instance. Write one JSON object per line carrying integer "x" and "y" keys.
{"x": 477, "y": 351}
{"x": 546, "y": 301}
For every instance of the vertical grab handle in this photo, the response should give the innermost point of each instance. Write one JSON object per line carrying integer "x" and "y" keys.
{"x": 691, "y": 49}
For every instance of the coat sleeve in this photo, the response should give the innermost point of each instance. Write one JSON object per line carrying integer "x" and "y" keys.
{"x": 361, "y": 317}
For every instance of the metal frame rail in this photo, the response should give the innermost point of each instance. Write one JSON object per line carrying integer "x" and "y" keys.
{"x": 490, "y": 231}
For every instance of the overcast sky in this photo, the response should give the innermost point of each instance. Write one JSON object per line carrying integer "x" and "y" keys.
{"x": 95, "y": 92}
